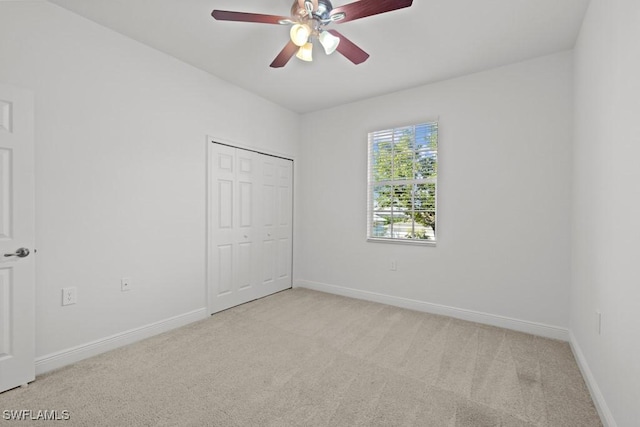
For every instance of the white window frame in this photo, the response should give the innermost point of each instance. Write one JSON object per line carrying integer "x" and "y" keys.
{"x": 371, "y": 185}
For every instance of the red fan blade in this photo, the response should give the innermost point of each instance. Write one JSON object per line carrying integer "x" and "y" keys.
{"x": 285, "y": 55}
{"x": 225, "y": 15}
{"x": 350, "y": 51}
{"x": 364, "y": 8}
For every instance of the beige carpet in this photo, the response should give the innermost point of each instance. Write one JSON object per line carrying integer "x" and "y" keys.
{"x": 306, "y": 358}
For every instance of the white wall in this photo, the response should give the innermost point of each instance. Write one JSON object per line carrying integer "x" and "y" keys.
{"x": 606, "y": 207}
{"x": 503, "y": 196}
{"x": 121, "y": 169}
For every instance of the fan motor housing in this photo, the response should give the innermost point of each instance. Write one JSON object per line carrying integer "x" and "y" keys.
{"x": 324, "y": 10}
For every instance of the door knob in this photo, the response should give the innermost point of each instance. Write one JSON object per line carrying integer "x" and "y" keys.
{"x": 20, "y": 253}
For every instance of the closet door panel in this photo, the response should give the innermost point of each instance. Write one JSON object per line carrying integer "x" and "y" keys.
{"x": 269, "y": 215}
{"x": 222, "y": 223}
{"x": 246, "y": 180}
{"x": 284, "y": 223}
{"x": 250, "y": 226}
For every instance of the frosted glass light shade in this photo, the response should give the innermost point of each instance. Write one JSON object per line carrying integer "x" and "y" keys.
{"x": 329, "y": 42}
{"x": 300, "y": 34}
{"x": 305, "y": 52}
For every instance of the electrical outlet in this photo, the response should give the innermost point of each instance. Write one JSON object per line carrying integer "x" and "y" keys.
{"x": 69, "y": 295}
{"x": 394, "y": 265}
{"x": 125, "y": 284}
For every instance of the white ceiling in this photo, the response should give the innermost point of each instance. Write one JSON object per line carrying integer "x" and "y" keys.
{"x": 430, "y": 41}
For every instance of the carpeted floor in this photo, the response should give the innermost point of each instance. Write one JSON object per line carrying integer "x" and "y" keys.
{"x": 306, "y": 358}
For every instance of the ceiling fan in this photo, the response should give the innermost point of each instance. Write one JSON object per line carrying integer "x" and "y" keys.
{"x": 308, "y": 21}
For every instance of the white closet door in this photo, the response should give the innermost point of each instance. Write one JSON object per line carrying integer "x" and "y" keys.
{"x": 248, "y": 222}
{"x": 247, "y": 232}
{"x": 269, "y": 221}
{"x": 284, "y": 224}
{"x": 221, "y": 223}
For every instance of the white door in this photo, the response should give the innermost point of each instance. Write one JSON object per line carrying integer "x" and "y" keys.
{"x": 17, "y": 277}
{"x": 245, "y": 231}
{"x": 232, "y": 220}
{"x": 277, "y": 225}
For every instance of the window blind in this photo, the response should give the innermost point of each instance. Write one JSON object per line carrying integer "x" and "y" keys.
{"x": 402, "y": 184}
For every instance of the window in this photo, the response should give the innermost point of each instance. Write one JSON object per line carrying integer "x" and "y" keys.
{"x": 403, "y": 170}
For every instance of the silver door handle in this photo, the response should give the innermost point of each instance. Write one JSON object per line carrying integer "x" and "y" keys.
{"x": 20, "y": 253}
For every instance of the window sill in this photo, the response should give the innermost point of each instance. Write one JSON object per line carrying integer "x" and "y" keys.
{"x": 414, "y": 242}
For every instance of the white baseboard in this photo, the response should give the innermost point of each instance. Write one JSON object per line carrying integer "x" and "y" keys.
{"x": 534, "y": 328}
{"x": 62, "y": 358}
{"x": 598, "y": 399}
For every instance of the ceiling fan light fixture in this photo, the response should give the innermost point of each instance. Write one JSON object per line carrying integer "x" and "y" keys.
{"x": 308, "y": 19}
{"x": 329, "y": 42}
{"x": 300, "y": 34}
{"x": 305, "y": 52}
